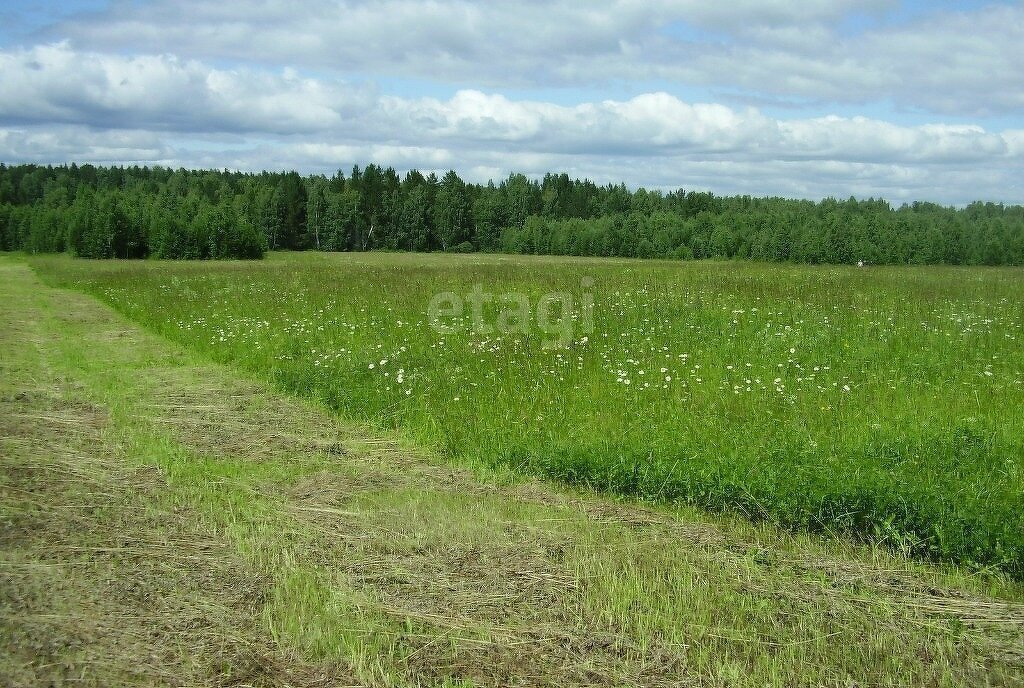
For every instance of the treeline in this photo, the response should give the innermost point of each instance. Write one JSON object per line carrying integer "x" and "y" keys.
{"x": 135, "y": 212}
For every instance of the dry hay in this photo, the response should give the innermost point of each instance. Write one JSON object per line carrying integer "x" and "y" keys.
{"x": 99, "y": 586}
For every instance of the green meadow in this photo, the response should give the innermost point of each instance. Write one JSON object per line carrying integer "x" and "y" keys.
{"x": 883, "y": 403}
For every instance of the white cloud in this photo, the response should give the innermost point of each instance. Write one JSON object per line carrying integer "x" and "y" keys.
{"x": 57, "y": 84}
{"x": 52, "y": 83}
{"x": 79, "y": 144}
{"x": 967, "y": 62}
{"x": 773, "y": 13}
{"x": 59, "y": 104}
{"x": 862, "y": 139}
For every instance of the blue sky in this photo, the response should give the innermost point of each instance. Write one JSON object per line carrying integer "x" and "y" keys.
{"x": 904, "y": 100}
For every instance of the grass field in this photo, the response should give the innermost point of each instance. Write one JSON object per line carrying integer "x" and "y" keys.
{"x": 883, "y": 402}
{"x": 168, "y": 521}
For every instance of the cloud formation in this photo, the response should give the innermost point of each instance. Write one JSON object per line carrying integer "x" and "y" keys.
{"x": 756, "y": 96}
{"x": 965, "y": 63}
{"x": 51, "y": 83}
{"x": 162, "y": 93}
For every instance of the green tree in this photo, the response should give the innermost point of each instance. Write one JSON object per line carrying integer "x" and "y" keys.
{"x": 452, "y": 212}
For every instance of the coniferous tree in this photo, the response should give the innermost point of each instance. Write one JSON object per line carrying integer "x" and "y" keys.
{"x": 452, "y": 212}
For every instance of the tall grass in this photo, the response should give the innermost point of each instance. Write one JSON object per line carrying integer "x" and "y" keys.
{"x": 887, "y": 403}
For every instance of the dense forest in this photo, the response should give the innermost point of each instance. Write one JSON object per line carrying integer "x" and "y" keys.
{"x": 136, "y": 212}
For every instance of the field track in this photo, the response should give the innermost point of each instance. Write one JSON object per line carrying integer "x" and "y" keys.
{"x": 165, "y": 521}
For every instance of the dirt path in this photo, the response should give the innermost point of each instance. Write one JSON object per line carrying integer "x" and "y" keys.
{"x": 164, "y": 521}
